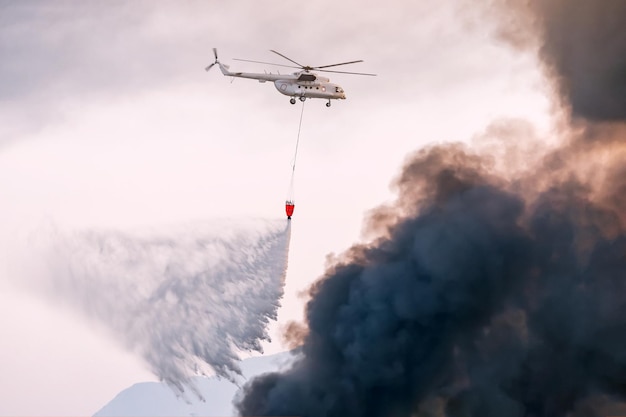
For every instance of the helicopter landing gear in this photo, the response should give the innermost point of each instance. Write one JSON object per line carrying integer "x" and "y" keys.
{"x": 292, "y": 100}
{"x": 328, "y": 104}
{"x": 302, "y": 98}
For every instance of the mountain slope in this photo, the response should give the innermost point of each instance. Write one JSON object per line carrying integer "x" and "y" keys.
{"x": 158, "y": 399}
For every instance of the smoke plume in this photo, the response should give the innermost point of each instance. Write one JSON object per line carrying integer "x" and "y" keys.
{"x": 188, "y": 300}
{"x": 487, "y": 292}
{"x": 583, "y": 45}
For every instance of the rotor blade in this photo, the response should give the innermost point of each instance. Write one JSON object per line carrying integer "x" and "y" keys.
{"x": 345, "y": 72}
{"x": 215, "y": 53}
{"x": 261, "y": 62}
{"x": 209, "y": 67}
{"x": 288, "y": 59}
{"x": 343, "y": 63}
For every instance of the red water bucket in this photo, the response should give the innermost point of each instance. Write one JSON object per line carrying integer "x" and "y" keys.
{"x": 289, "y": 206}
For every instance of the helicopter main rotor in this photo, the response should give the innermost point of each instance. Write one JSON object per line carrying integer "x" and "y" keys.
{"x": 308, "y": 68}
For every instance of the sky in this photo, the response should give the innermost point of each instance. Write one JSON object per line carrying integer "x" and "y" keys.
{"x": 109, "y": 122}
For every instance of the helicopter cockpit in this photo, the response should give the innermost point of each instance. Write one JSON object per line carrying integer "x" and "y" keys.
{"x": 307, "y": 77}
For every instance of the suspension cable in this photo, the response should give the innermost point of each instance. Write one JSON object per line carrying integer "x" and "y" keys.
{"x": 295, "y": 155}
{"x": 290, "y": 203}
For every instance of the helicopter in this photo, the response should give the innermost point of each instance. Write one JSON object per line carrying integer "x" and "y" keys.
{"x": 302, "y": 84}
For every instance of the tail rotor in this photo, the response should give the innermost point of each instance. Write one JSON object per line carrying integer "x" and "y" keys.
{"x": 216, "y": 61}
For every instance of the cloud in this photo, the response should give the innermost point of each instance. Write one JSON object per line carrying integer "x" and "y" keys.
{"x": 61, "y": 55}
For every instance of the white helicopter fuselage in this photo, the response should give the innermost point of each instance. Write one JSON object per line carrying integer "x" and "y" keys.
{"x": 299, "y": 84}
{"x": 314, "y": 89}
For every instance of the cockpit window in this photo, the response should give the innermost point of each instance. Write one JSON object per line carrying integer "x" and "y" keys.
{"x": 306, "y": 77}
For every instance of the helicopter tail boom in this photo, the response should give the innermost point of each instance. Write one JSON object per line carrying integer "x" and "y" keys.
{"x": 224, "y": 68}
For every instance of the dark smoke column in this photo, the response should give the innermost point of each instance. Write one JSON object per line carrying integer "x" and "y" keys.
{"x": 385, "y": 324}
{"x": 583, "y": 43}
{"x": 475, "y": 304}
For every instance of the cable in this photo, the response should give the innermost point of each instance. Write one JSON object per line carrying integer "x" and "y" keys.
{"x": 290, "y": 203}
{"x": 295, "y": 155}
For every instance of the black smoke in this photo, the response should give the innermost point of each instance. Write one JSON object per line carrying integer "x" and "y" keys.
{"x": 583, "y": 44}
{"x": 486, "y": 294}
{"x": 476, "y": 302}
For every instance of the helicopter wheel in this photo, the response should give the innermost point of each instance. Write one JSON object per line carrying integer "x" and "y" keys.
{"x": 328, "y": 104}
{"x": 292, "y": 100}
{"x": 302, "y": 98}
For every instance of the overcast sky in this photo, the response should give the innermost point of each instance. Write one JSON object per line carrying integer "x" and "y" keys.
{"x": 109, "y": 121}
